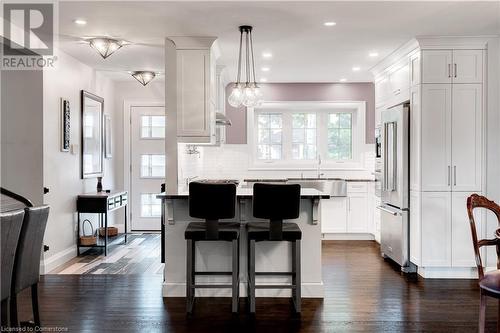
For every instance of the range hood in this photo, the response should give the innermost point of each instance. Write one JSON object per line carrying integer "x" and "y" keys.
{"x": 222, "y": 120}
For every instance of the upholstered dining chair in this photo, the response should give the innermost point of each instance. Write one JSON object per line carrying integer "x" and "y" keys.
{"x": 27, "y": 260}
{"x": 10, "y": 228}
{"x": 489, "y": 282}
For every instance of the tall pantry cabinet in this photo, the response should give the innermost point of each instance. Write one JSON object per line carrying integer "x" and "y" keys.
{"x": 446, "y": 94}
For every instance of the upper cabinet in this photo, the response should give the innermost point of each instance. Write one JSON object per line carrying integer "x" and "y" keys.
{"x": 196, "y": 89}
{"x": 467, "y": 66}
{"x": 437, "y": 66}
{"x": 452, "y": 66}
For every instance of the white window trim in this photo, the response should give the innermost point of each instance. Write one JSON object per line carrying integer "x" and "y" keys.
{"x": 358, "y": 136}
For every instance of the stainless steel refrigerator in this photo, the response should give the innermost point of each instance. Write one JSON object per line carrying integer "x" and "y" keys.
{"x": 395, "y": 222}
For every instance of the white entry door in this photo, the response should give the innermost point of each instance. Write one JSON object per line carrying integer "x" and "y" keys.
{"x": 147, "y": 169}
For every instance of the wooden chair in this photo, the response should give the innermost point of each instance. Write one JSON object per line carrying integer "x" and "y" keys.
{"x": 489, "y": 282}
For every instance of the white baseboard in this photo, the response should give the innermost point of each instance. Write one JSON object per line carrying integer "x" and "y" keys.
{"x": 448, "y": 272}
{"x": 309, "y": 290}
{"x": 49, "y": 264}
{"x": 347, "y": 236}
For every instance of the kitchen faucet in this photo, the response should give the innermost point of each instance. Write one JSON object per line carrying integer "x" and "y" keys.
{"x": 319, "y": 167}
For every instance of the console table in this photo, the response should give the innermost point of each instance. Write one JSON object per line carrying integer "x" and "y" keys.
{"x": 101, "y": 203}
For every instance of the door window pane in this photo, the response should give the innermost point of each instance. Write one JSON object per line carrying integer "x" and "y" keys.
{"x": 152, "y": 127}
{"x": 340, "y": 136}
{"x": 304, "y": 136}
{"x": 269, "y": 136}
{"x": 153, "y": 166}
{"x": 150, "y": 205}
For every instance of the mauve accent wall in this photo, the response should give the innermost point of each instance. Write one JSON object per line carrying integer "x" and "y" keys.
{"x": 237, "y": 133}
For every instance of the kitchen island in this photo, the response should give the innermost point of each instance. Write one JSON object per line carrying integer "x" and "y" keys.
{"x": 215, "y": 256}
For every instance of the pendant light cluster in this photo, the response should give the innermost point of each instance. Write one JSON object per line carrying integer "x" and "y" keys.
{"x": 246, "y": 93}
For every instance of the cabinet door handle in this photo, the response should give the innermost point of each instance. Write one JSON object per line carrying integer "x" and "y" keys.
{"x": 455, "y": 70}
{"x": 349, "y": 204}
{"x": 454, "y": 175}
{"x": 449, "y": 70}
{"x": 397, "y": 91}
{"x": 449, "y": 175}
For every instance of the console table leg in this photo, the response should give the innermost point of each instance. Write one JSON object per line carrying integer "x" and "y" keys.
{"x": 78, "y": 235}
{"x": 105, "y": 234}
{"x": 125, "y": 231}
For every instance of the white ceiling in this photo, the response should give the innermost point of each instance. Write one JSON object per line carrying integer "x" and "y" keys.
{"x": 303, "y": 49}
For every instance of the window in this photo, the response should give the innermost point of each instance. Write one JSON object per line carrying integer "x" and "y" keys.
{"x": 293, "y": 135}
{"x": 340, "y": 136}
{"x": 153, "y": 166}
{"x": 152, "y": 127}
{"x": 269, "y": 136}
{"x": 150, "y": 205}
{"x": 304, "y": 136}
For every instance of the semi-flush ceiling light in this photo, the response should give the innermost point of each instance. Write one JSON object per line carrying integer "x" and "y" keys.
{"x": 248, "y": 93}
{"x": 144, "y": 77}
{"x": 106, "y": 46}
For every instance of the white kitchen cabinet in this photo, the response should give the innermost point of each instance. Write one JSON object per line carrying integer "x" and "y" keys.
{"x": 382, "y": 90}
{"x": 436, "y": 141}
{"x": 415, "y": 69}
{"x": 415, "y": 228}
{"x": 466, "y": 137}
{"x": 357, "y": 216}
{"x": 467, "y": 66}
{"x": 452, "y": 66}
{"x": 334, "y": 215}
{"x": 415, "y": 137}
{"x": 376, "y": 218}
{"x": 436, "y": 229}
{"x": 462, "y": 250}
{"x": 437, "y": 66}
{"x": 399, "y": 83}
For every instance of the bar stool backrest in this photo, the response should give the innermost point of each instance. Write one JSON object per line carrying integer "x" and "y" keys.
{"x": 276, "y": 202}
{"x": 211, "y": 202}
{"x": 11, "y": 223}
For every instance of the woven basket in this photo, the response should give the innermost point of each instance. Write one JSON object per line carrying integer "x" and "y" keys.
{"x": 88, "y": 240}
{"x": 112, "y": 231}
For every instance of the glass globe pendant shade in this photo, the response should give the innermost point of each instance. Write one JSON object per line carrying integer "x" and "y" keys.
{"x": 235, "y": 99}
{"x": 249, "y": 97}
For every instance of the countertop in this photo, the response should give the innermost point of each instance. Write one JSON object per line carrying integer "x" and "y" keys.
{"x": 280, "y": 180}
{"x": 244, "y": 193}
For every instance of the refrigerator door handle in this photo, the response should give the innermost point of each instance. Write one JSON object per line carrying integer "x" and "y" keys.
{"x": 387, "y": 210}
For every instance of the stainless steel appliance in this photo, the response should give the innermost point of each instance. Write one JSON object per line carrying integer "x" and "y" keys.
{"x": 395, "y": 224}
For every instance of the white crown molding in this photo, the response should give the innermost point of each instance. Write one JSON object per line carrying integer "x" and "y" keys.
{"x": 453, "y": 42}
{"x": 193, "y": 42}
{"x": 392, "y": 58}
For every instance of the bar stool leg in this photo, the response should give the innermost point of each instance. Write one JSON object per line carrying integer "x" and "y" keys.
{"x": 189, "y": 276}
{"x": 296, "y": 277}
{"x": 251, "y": 275}
{"x": 235, "y": 275}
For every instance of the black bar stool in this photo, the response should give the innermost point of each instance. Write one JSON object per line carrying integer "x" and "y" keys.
{"x": 211, "y": 201}
{"x": 276, "y": 203}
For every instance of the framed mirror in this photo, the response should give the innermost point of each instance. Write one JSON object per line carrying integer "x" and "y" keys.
{"x": 92, "y": 109}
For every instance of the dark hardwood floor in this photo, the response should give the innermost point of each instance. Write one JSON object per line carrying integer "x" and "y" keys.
{"x": 363, "y": 294}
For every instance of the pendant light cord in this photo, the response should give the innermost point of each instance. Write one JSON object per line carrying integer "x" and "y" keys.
{"x": 239, "y": 58}
{"x": 253, "y": 59}
{"x": 247, "y": 58}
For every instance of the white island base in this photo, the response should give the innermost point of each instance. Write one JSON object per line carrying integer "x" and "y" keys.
{"x": 216, "y": 256}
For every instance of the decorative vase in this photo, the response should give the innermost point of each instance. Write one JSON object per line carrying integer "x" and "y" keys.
{"x": 99, "y": 184}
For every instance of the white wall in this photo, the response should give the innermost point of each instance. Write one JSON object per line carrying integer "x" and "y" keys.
{"x": 62, "y": 169}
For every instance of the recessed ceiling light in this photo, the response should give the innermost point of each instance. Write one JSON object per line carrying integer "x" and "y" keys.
{"x": 329, "y": 24}
{"x": 267, "y": 55}
{"x": 343, "y": 80}
{"x": 80, "y": 21}
{"x": 373, "y": 54}
{"x": 263, "y": 79}
{"x": 356, "y": 68}
{"x": 265, "y": 69}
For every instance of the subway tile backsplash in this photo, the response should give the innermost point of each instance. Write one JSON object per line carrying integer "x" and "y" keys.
{"x": 233, "y": 162}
